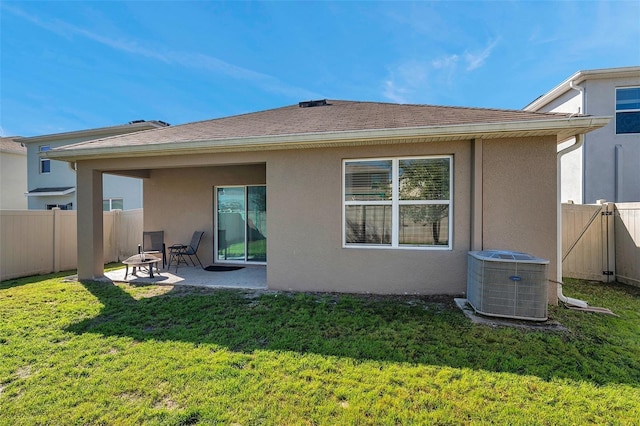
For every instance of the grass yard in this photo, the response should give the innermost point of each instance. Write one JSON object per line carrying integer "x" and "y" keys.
{"x": 93, "y": 353}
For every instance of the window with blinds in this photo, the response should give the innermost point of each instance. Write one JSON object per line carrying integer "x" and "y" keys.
{"x": 398, "y": 202}
{"x": 628, "y": 110}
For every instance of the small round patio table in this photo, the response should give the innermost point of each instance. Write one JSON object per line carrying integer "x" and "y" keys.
{"x": 142, "y": 261}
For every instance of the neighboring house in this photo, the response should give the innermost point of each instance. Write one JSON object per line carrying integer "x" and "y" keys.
{"x": 606, "y": 166}
{"x": 53, "y": 183}
{"x": 13, "y": 175}
{"x": 342, "y": 196}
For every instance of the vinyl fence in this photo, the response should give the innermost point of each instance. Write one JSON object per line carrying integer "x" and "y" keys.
{"x": 42, "y": 241}
{"x": 601, "y": 242}
{"x": 628, "y": 243}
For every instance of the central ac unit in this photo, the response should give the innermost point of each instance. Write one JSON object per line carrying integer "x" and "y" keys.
{"x": 508, "y": 284}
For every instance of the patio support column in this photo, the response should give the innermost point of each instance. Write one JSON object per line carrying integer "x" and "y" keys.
{"x": 476, "y": 194}
{"x": 90, "y": 234}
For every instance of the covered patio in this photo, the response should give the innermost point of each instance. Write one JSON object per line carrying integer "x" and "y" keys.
{"x": 248, "y": 277}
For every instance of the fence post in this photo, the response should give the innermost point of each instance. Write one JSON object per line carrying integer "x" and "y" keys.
{"x": 610, "y": 241}
{"x": 117, "y": 231}
{"x": 57, "y": 239}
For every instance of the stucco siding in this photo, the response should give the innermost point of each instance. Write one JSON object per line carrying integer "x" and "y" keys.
{"x": 180, "y": 201}
{"x": 571, "y": 174}
{"x": 304, "y": 211}
{"x": 519, "y": 199}
{"x": 600, "y": 147}
{"x": 304, "y": 216}
{"x": 572, "y": 163}
{"x": 13, "y": 177}
{"x": 570, "y": 101}
{"x": 305, "y": 228}
{"x": 129, "y": 189}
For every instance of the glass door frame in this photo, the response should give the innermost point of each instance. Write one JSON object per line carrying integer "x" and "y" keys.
{"x": 244, "y": 261}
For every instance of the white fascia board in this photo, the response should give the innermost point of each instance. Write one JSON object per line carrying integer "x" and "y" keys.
{"x": 555, "y": 126}
{"x": 92, "y": 133}
{"x": 578, "y": 78}
{"x": 554, "y": 93}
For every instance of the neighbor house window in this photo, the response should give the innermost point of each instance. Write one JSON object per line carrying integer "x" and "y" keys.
{"x": 398, "y": 202}
{"x": 68, "y": 206}
{"x": 112, "y": 204}
{"x": 45, "y": 163}
{"x": 628, "y": 110}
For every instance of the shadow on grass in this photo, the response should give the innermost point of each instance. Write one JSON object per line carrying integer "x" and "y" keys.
{"x": 33, "y": 279}
{"x": 396, "y": 329}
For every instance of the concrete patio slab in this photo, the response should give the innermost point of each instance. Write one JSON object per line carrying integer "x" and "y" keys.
{"x": 249, "y": 277}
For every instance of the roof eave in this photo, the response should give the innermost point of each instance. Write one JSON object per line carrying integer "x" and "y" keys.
{"x": 93, "y": 133}
{"x": 563, "y": 128}
{"x": 578, "y": 78}
{"x": 50, "y": 193}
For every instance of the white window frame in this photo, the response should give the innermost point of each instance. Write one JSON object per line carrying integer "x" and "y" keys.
{"x": 615, "y": 122}
{"x": 41, "y": 149}
{"x": 395, "y": 203}
{"x": 111, "y": 200}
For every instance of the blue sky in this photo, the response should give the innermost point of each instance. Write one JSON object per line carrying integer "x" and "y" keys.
{"x": 76, "y": 65}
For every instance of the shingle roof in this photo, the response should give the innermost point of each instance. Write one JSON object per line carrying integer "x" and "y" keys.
{"x": 10, "y": 146}
{"x": 336, "y": 116}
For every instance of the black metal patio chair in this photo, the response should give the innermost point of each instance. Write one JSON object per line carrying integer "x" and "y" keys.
{"x": 180, "y": 252}
{"x": 153, "y": 242}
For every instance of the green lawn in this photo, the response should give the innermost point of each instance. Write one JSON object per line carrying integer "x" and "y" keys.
{"x": 93, "y": 353}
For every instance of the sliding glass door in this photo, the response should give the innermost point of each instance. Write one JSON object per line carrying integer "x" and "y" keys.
{"x": 241, "y": 221}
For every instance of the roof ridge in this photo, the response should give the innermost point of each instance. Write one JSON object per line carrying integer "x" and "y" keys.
{"x": 458, "y": 107}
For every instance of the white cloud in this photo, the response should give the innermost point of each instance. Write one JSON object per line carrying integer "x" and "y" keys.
{"x": 420, "y": 81}
{"x": 477, "y": 59}
{"x": 405, "y": 80}
{"x": 194, "y": 60}
{"x": 394, "y": 93}
{"x": 446, "y": 62}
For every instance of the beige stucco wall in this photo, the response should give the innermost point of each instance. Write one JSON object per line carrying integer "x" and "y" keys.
{"x": 304, "y": 204}
{"x": 305, "y": 228}
{"x": 519, "y": 198}
{"x": 13, "y": 181}
{"x": 180, "y": 201}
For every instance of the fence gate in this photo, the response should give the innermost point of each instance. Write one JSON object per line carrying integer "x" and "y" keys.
{"x": 588, "y": 242}
{"x": 628, "y": 243}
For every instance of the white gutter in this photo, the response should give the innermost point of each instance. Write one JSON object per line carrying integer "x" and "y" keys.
{"x": 575, "y": 87}
{"x": 580, "y": 89}
{"x": 564, "y": 299}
